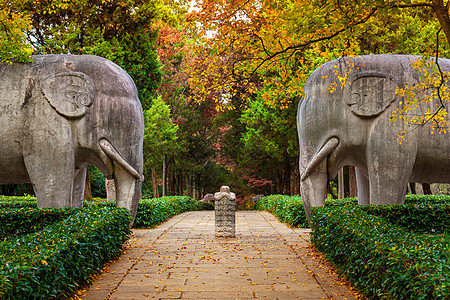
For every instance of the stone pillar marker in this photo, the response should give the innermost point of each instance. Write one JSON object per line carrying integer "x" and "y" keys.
{"x": 225, "y": 212}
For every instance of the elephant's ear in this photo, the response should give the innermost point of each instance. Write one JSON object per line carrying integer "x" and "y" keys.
{"x": 69, "y": 93}
{"x": 370, "y": 93}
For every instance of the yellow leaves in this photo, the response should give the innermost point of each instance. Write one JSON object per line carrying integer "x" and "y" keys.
{"x": 421, "y": 102}
{"x": 332, "y": 88}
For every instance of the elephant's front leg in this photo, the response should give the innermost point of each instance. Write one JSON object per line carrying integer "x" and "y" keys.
{"x": 49, "y": 160}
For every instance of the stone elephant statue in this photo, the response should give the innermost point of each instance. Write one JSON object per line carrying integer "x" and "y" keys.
{"x": 60, "y": 114}
{"x": 352, "y": 126}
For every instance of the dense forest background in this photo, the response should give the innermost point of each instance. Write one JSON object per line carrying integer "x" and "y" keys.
{"x": 220, "y": 81}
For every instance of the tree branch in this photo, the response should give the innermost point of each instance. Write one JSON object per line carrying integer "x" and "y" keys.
{"x": 308, "y": 43}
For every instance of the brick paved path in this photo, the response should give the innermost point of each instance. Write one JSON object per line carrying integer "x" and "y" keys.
{"x": 181, "y": 259}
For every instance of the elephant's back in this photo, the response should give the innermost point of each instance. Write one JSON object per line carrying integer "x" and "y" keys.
{"x": 106, "y": 75}
{"x": 334, "y": 75}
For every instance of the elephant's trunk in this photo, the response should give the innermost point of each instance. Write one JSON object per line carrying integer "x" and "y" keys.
{"x": 320, "y": 156}
{"x": 117, "y": 158}
{"x": 128, "y": 190}
{"x": 315, "y": 177}
{"x": 127, "y": 179}
{"x": 314, "y": 188}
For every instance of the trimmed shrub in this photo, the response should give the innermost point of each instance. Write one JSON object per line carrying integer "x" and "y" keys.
{"x": 47, "y": 253}
{"x": 289, "y": 209}
{"x": 20, "y": 221}
{"x": 152, "y": 212}
{"x": 382, "y": 259}
{"x": 17, "y": 201}
{"x": 53, "y": 262}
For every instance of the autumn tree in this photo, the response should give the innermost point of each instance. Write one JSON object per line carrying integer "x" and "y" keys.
{"x": 268, "y": 49}
{"x": 247, "y": 40}
{"x": 122, "y": 31}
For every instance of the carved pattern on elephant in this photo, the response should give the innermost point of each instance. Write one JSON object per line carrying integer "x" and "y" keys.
{"x": 69, "y": 93}
{"x": 370, "y": 93}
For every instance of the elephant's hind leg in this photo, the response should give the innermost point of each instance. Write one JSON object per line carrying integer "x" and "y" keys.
{"x": 362, "y": 181}
{"x": 389, "y": 174}
{"x": 79, "y": 183}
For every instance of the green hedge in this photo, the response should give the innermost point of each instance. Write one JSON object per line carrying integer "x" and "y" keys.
{"x": 382, "y": 259}
{"x": 20, "y": 221}
{"x": 151, "y": 212}
{"x": 420, "y": 217}
{"x": 47, "y": 253}
{"x": 289, "y": 209}
{"x": 52, "y": 262}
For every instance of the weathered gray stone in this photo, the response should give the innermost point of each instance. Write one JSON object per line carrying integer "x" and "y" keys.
{"x": 257, "y": 197}
{"x": 60, "y": 114}
{"x": 110, "y": 189}
{"x": 209, "y": 198}
{"x": 225, "y": 213}
{"x": 352, "y": 126}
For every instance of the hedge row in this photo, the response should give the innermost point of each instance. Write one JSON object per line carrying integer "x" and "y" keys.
{"x": 51, "y": 262}
{"x": 20, "y": 221}
{"x": 382, "y": 259}
{"x": 289, "y": 209}
{"x": 151, "y": 212}
{"x": 47, "y": 253}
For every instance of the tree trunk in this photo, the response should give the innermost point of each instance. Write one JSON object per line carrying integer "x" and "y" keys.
{"x": 442, "y": 15}
{"x": 330, "y": 190}
{"x": 164, "y": 178}
{"x": 352, "y": 182}
{"x": 171, "y": 190}
{"x": 180, "y": 184}
{"x": 194, "y": 189}
{"x": 155, "y": 183}
{"x": 412, "y": 187}
{"x": 188, "y": 185}
{"x": 287, "y": 179}
{"x": 295, "y": 178}
{"x": 426, "y": 187}
{"x": 87, "y": 187}
{"x": 341, "y": 184}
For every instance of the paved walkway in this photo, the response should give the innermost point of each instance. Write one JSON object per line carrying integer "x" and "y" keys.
{"x": 181, "y": 259}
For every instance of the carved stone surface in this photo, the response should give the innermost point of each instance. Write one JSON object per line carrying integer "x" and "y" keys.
{"x": 225, "y": 213}
{"x": 110, "y": 190}
{"x": 209, "y": 198}
{"x": 60, "y": 114}
{"x": 257, "y": 197}
{"x": 352, "y": 126}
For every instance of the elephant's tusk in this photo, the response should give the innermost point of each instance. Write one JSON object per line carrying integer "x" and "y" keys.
{"x": 320, "y": 156}
{"x": 115, "y": 156}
